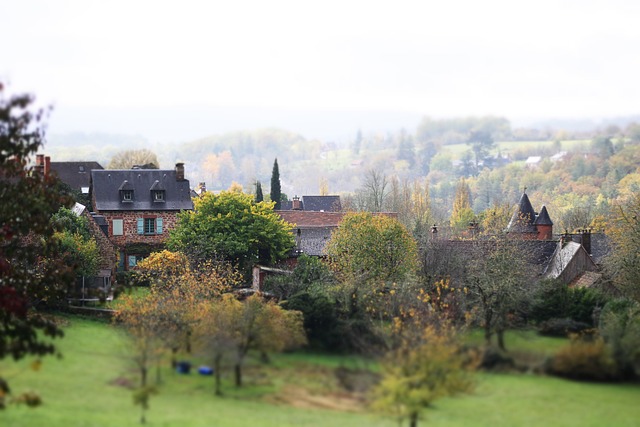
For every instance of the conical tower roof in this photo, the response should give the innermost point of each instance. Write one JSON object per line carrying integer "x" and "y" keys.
{"x": 543, "y": 217}
{"x": 523, "y": 218}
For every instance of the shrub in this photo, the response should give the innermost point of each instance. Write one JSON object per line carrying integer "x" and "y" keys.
{"x": 620, "y": 328}
{"x": 557, "y": 300}
{"x": 585, "y": 359}
{"x": 562, "y": 327}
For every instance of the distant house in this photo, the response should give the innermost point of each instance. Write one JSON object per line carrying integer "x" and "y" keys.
{"x": 533, "y": 161}
{"x": 139, "y": 207}
{"x": 313, "y": 203}
{"x": 529, "y": 224}
{"x": 76, "y": 175}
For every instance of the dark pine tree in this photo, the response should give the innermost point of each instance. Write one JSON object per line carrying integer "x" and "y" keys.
{"x": 276, "y": 192}
{"x": 259, "y": 196}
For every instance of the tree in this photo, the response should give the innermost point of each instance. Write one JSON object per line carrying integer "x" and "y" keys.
{"x": 462, "y": 213}
{"x": 372, "y": 247}
{"x": 178, "y": 290}
{"x": 481, "y": 142}
{"x": 31, "y": 272}
{"x": 140, "y": 319}
{"x": 623, "y": 265}
{"x": 127, "y": 159}
{"x": 259, "y": 196}
{"x": 232, "y": 327}
{"x": 498, "y": 280}
{"x": 230, "y": 226}
{"x": 276, "y": 191}
{"x": 374, "y": 190}
{"x": 420, "y": 371}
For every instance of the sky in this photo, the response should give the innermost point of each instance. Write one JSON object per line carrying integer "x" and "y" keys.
{"x": 105, "y": 65}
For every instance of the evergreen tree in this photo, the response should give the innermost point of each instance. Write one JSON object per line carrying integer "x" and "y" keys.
{"x": 259, "y": 196}
{"x": 276, "y": 192}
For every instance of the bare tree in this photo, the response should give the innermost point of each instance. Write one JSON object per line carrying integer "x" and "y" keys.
{"x": 375, "y": 190}
{"x": 127, "y": 159}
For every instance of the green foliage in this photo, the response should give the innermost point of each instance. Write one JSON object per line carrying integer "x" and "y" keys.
{"x": 276, "y": 191}
{"x": 624, "y": 262}
{"x": 620, "y": 328}
{"x": 31, "y": 271}
{"x": 230, "y": 226}
{"x": 552, "y": 300}
{"x": 80, "y": 252}
{"x": 324, "y": 328}
{"x": 259, "y": 196}
{"x": 368, "y": 247}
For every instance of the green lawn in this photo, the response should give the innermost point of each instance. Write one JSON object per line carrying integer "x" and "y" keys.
{"x": 79, "y": 390}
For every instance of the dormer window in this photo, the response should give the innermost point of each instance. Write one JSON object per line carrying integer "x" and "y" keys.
{"x": 126, "y": 191}
{"x": 158, "y": 195}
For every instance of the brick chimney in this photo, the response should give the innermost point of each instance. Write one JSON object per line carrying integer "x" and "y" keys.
{"x": 179, "y": 171}
{"x": 296, "y": 205}
{"x": 47, "y": 165}
{"x": 39, "y": 163}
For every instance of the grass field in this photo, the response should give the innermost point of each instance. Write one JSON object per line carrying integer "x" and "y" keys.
{"x": 85, "y": 388}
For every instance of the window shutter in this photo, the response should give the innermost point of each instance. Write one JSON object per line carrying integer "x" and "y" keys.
{"x": 132, "y": 261}
{"x": 159, "y": 225}
{"x": 140, "y": 226}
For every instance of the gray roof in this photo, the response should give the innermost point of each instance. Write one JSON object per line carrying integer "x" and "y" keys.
{"x": 75, "y": 174}
{"x": 321, "y": 203}
{"x": 543, "y": 217}
{"x": 106, "y": 186}
{"x": 315, "y": 204}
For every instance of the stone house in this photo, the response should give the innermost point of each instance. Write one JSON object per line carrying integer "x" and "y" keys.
{"x": 139, "y": 207}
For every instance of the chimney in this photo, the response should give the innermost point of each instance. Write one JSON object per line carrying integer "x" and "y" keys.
{"x": 47, "y": 165}
{"x": 296, "y": 205}
{"x": 202, "y": 188}
{"x": 39, "y": 164}
{"x": 179, "y": 171}
{"x": 586, "y": 240}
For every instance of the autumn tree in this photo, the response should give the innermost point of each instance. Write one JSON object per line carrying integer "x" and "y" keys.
{"x": 232, "y": 327}
{"x": 31, "y": 272}
{"x": 425, "y": 366}
{"x": 140, "y": 319}
{"x": 178, "y": 289}
{"x": 129, "y": 158}
{"x": 372, "y": 247}
{"x": 230, "y": 226}
{"x": 462, "y": 213}
{"x": 276, "y": 191}
{"x": 623, "y": 265}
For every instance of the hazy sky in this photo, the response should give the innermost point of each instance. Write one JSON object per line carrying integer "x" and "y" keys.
{"x": 439, "y": 58}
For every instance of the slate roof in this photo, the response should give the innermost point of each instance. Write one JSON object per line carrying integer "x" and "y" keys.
{"x": 523, "y": 218}
{"x": 543, "y": 217}
{"x": 76, "y": 175}
{"x": 315, "y": 203}
{"x": 321, "y": 203}
{"x": 106, "y": 186}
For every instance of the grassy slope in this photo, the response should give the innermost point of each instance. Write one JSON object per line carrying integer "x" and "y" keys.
{"x": 77, "y": 392}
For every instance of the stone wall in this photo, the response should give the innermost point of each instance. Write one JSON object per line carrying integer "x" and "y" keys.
{"x": 130, "y": 227}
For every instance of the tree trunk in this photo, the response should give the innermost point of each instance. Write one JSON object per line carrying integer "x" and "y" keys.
{"x": 500, "y": 334}
{"x": 143, "y": 377}
{"x": 413, "y": 419}
{"x": 238, "y": 374}
{"x": 216, "y": 367}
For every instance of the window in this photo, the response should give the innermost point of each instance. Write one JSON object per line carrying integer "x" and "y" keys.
{"x": 127, "y": 195}
{"x": 117, "y": 228}
{"x": 158, "y": 195}
{"x": 150, "y": 225}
